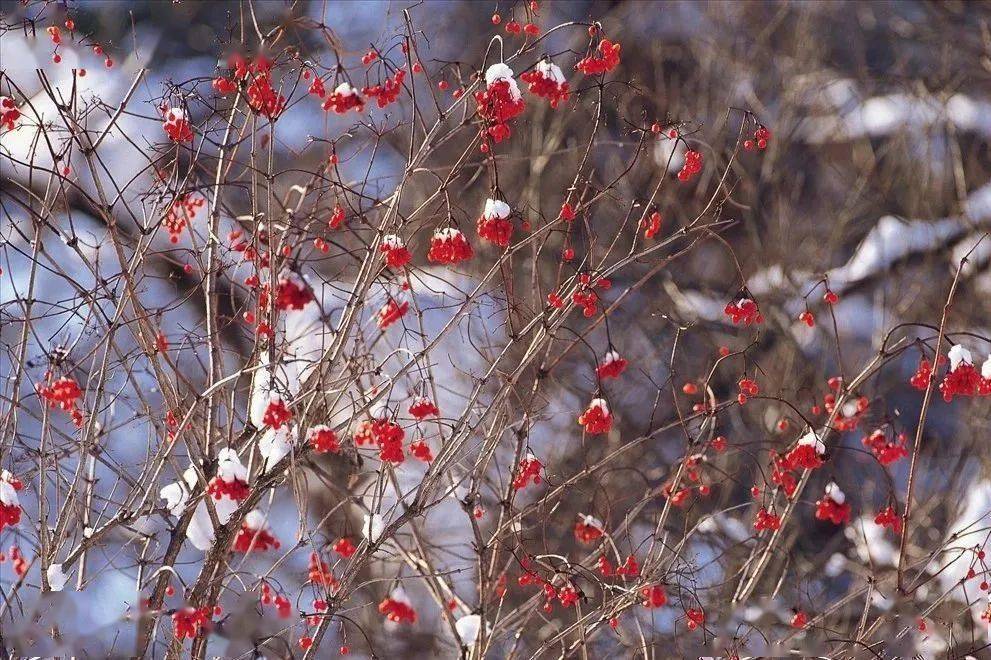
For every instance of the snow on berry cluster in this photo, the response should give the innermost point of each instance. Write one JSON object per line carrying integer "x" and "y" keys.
{"x": 494, "y": 224}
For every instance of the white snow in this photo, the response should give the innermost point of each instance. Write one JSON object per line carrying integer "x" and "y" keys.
{"x": 871, "y": 543}
{"x": 834, "y": 493}
{"x": 552, "y": 71}
{"x": 175, "y": 497}
{"x": 230, "y": 467}
{"x": 447, "y": 234}
{"x": 500, "y": 71}
{"x": 468, "y": 628}
{"x": 345, "y": 89}
{"x": 276, "y": 443}
{"x": 56, "y": 577}
{"x": 8, "y": 495}
{"x": 373, "y": 527}
{"x": 959, "y": 355}
{"x": 592, "y": 521}
{"x": 601, "y": 404}
{"x": 496, "y": 208}
{"x": 255, "y": 520}
{"x": 812, "y": 439}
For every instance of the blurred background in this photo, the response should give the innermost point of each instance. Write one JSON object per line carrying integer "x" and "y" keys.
{"x": 876, "y": 178}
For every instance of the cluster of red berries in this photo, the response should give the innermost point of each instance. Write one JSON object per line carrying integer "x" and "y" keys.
{"x": 323, "y": 440}
{"x": 612, "y": 366}
{"x": 588, "y": 529}
{"x": 398, "y": 609}
{"x": 254, "y": 540}
{"x": 743, "y": 311}
{"x": 345, "y": 548}
{"x": 449, "y": 246}
{"x": 495, "y": 230}
{"x": 547, "y": 81}
{"x": 182, "y": 210}
{"x": 55, "y": 32}
{"x": 566, "y": 594}
{"x": 422, "y": 408}
{"x": 567, "y": 212}
{"x": 832, "y": 506}
{"x": 963, "y": 378}
{"x": 238, "y": 243}
{"x": 319, "y": 574}
{"x": 388, "y": 91}
{"x": 629, "y": 568}
{"x": 886, "y": 451}
{"x": 10, "y": 508}
{"x": 277, "y": 413}
{"x": 651, "y": 225}
{"x": 187, "y": 622}
{"x": 514, "y": 27}
{"x": 806, "y": 455}
{"x": 529, "y": 469}
{"x": 10, "y": 515}
{"x": 597, "y": 418}
{"x": 604, "y": 61}
{"x": 396, "y": 253}
{"x": 262, "y": 96}
{"x": 654, "y": 596}
{"x": 337, "y": 217}
{"x": 223, "y": 86}
{"x": 761, "y": 137}
{"x": 767, "y": 520}
{"x": 9, "y": 113}
{"x": 63, "y": 393}
{"x": 920, "y": 379}
{"x": 176, "y": 125}
{"x": 421, "y": 451}
{"x": 748, "y": 390}
{"x": 888, "y": 517}
{"x": 234, "y": 489}
{"x": 692, "y": 166}
{"x": 282, "y": 604}
{"x": 499, "y": 102}
{"x": 293, "y": 293}
{"x": 343, "y": 99}
{"x": 391, "y": 311}
{"x": 18, "y": 560}
{"x": 385, "y": 435}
